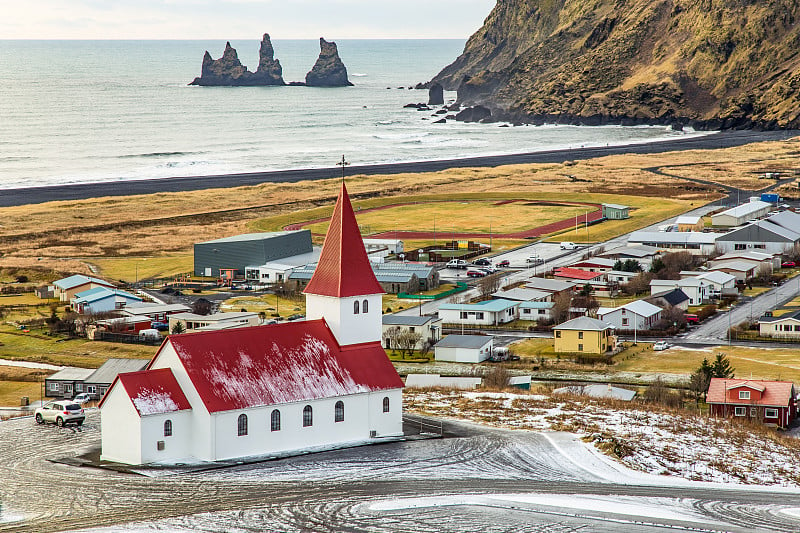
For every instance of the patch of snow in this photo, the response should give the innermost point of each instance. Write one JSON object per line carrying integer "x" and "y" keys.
{"x": 151, "y": 402}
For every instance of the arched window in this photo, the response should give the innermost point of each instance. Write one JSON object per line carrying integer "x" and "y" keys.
{"x": 355, "y": 307}
{"x": 242, "y": 425}
{"x": 275, "y": 424}
{"x": 386, "y": 404}
{"x": 167, "y": 428}
{"x": 308, "y": 416}
{"x": 365, "y": 306}
{"x": 339, "y": 412}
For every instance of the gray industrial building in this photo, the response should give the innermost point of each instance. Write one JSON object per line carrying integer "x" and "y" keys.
{"x": 250, "y": 249}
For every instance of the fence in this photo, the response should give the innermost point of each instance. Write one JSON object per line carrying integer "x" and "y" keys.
{"x": 460, "y": 287}
{"x": 107, "y": 336}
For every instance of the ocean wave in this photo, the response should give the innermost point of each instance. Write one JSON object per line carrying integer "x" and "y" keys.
{"x": 358, "y": 75}
{"x": 15, "y": 158}
{"x": 156, "y": 154}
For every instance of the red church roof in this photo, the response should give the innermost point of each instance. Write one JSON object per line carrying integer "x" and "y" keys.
{"x": 152, "y": 391}
{"x": 343, "y": 268}
{"x": 773, "y": 393}
{"x": 281, "y": 363}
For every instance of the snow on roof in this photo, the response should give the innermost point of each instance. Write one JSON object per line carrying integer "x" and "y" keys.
{"x": 152, "y": 391}
{"x": 77, "y": 280}
{"x": 280, "y": 363}
{"x": 774, "y": 393}
{"x": 575, "y": 273}
{"x": 584, "y": 323}
{"x": 344, "y": 268}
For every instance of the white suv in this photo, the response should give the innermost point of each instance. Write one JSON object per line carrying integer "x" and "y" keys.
{"x": 61, "y": 412}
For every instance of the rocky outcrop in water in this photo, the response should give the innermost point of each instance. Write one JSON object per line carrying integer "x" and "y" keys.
{"x": 436, "y": 94}
{"x": 228, "y": 70}
{"x": 328, "y": 71}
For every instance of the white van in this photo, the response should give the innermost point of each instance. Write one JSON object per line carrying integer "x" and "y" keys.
{"x": 457, "y": 263}
{"x": 568, "y": 246}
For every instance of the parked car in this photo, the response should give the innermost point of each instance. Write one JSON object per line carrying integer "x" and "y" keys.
{"x": 660, "y": 346}
{"x": 692, "y": 319}
{"x": 457, "y": 263}
{"x": 488, "y": 269}
{"x": 160, "y": 326}
{"x": 60, "y": 412}
{"x": 502, "y": 264}
{"x": 482, "y": 262}
{"x": 476, "y": 273}
{"x": 534, "y": 260}
{"x": 296, "y": 317}
{"x": 82, "y": 398}
{"x": 567, "y": 246}
{"x": 788, "y": 264}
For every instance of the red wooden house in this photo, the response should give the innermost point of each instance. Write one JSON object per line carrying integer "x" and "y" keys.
{"x": 769, "y": 402}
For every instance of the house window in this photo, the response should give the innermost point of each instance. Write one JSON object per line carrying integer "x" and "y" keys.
{"x": 558, "y": 334}
{"x": 740, "y": 246}
{"x": 580, "y": 334}
{"x": 463, "y": 315}
{"x": 740, "y": 411}
{"x": 744, "y": 394}
{"x": 91, "y": 389}
{"x": 308, "y": 416}
{"x": 275, "y": 420}
{"x": 54, "y": 386}
{"x": 580, "y": 347}
{"x": 167, "y": 428}
{"x": 355, "y": 307}
{"x": 479, "y": 316}
{"x": 338, "y": 415}
{"x": 411, "y": 329}
{"x": 386, "y": 404}
{"x": 242, "y": 425}
{"x": 624, "y": 321}
{"x": 365, "y": 306}
{"x": 770, "y": 413}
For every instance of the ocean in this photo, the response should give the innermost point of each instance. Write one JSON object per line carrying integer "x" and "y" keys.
{"x": 97, "y": 111}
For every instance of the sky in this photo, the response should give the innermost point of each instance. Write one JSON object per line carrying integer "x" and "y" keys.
{"x": 242, "y": 19}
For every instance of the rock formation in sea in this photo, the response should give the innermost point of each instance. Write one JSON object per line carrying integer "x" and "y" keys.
{"x": 328, "y": 71}
{"x": 436, "y": 94}
{"x": 229, "y": 71}
{"x": 705, "y": 63}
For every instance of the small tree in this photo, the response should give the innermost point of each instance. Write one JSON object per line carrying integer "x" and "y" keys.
{"x": 698, "y": 384}
{"x": 561, "y": 304}
{"x": 488, "y": 285}
{"x": 390, "y": 337}
{"x": 722, "y": 367}
{"x": 497, "y": 378}
{"x": 407, "y": 341}
{"x": 177, "y": 328}
{"x": 640, "y": 283}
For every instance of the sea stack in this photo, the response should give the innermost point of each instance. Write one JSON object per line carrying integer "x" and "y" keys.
{"x": 436, "y": 94}
{"x": 228, "y": 71}
{"x": 328, "y": 71}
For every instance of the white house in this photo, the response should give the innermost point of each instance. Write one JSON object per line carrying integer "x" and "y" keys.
{"x": 393, "y": 246}
{"x": 464, "y": 348}
{"x": 64, "y": 289}
{"x": 536, "y": 310}
{"x": 487, "y": 313}
{"x": 195, "y": 322}
{"x": 764, "y": 262}
{"x": 695, "y": 289}
{"x": 694, "y": 242}
{"x": 781, "y": 327}
{"x": 636, "y": 315}
{"x": 267, "y": 390}
{"x": 740, "y": 270}
{"x": 103, "y": 300}
{"x": 718, "y": 282}
{"x": 428, "y": 327}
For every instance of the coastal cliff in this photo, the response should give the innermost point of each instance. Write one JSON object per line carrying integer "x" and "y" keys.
{"x": 229, "y": 71}
{"x": 710, "y": 64}
{"x": 328, "y": 71}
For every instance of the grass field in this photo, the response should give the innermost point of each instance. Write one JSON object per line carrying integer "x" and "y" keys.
{"x": 131, "y": 269}
{"x": 269, "y": 304}
{"x": 16, "y": 382}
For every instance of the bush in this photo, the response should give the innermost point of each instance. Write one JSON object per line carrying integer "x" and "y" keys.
{"x": 706, "y": 311}
{"x": 496, "y": 378}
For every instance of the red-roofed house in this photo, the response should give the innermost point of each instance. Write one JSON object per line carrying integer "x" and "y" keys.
{"x": 260, "y": 391}
{"x": 769, "y": 402}
{"x": 577, "y": 274}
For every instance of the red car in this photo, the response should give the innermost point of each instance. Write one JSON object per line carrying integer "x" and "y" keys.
{"x": 503, "y": 263}
{"x": 788, "y": 264}
{"x": 692, "y": 319}
{"x": 476, "y": 273}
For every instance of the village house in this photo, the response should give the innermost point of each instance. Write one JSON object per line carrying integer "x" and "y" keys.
{"x": 583, "y": 335}
{"x": 769, "y": 402}
{"x": 98, "y": 382}
{"x": 428, "y": 327}
{"x": 102, "y": 300}
{"x": 761, "y": 236}
{"x": 523, "y": 294}
{"x": 741, "y": 214}
{"x": 393, "y": 277}
{"x": 464, "y": 348}
{"x": 65, "y": 383}
{"x": 487, "y": 313}
{"x": 64, "y": 289}
{"x": 154, "y": 312}
{"x": 595, "y": 264}
{"x": 638, "y": 315}
{"x": 615, "y": 211}
{"x": 740, "y": 270}
{"x": 670, "y": 298}
{"x": 194, "y": 322}
{"x": 689, "y": 223}
{"x": 763, "y": 261}
{"x": 718, "y": 283}
{"x": 620, "y": 276}
{"x": 780, "y": 327}
{"x": 695, "y": 289}
{"x": 267, "y": 390}
{"x": 694, "y": 242}
{"x": 552, "y": 286}
{"x": 536, "y": 310}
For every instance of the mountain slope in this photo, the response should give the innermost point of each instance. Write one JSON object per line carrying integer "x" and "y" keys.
{"x": 709, "y": 63}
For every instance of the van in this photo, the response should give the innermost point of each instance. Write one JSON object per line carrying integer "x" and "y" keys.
{"x": 568, "y": 246}
{"x": 457, "y": 263}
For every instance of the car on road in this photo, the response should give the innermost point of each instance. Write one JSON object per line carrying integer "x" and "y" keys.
{"x": 502, "y": 264}
{"x": 534, "y": 260}
{"x": 476, "y": 273}
{"x": 61, "y": 412}
{"x": 82, "y": 398}
{"x": 660, "y": 346}
{"x": 489, "y": 269}
{"x": 567, "y": 246}
{"x": 788, "y": 264}
{"x": 482, "y": 262}
{"x": 457, "y": 263}
{"x": 691, "y": 319}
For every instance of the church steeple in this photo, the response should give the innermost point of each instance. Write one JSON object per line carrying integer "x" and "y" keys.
{"x": 343, "y": 289}
{"x": 343, "y": 268}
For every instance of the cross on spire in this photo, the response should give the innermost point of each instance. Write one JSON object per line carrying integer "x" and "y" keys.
{"x": 343, "y": 163}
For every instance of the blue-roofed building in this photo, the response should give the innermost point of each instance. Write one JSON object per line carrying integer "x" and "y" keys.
{"x": 64, "y": 289}
{"x": 487, "y": 313}
{"x": 102, "y": 300}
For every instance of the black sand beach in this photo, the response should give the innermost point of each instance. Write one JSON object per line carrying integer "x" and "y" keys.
{"x": 35, "y": 195}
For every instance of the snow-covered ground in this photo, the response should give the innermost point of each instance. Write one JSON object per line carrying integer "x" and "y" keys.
{"x": 642, "y": 437}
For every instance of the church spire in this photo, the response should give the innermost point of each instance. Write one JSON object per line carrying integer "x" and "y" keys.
{"x": 343, "y": 269}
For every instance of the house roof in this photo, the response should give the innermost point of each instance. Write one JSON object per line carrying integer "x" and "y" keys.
{"x": 280, "y": 363}
{"x": 77, "y": 280}
{"x": 154, "y": 309}
{"x": 745, "y": 209}
{"x": 787, "y": 219}
{"x": 584, "y": 323}
{"x": 685, "y": 282}
{"x": 246, "y": 237}
{"x": 101, "y": 293}
{"x": 775, "y": 393}
{"x": 71, "y": 373}
{"x": 152, "y": 392}
{"x": 795, "y": 317}
{"x": 489, "y": 306}
{"x": 522, "y": 294}
{"x": 673, "y": 237}
{"x": 738, "y": 266}
{"x": 575, "y": 273}
{"x": 405, "y": 320}
{"x": 550, "y": 285}
{"x": 639, "y": 251}
{"x": 672, "y": 297}
{"x": 344, "y": 268}
{"x": 616, "y": 206}
{"x": 464, "y": 341}
{"x": 716, "y": 276}
{"x": 536, "y": 305}
{"x": 641, "y": 308}
{"x": 596, "y": 261}
{"x": 746, "y": 254}
{"x": 216, "y": 317}
{"x": 115, "y": 366}
{"x": 688, "y": 219}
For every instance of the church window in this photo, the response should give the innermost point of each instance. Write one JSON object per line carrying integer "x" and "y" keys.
{"x": 275, "y": 422}
{"x": 386, "y": 404}
{"x": 242, "y": 425}
{"x": 355, "y": 307}
{"x": 365, "y": 306}
{"x": 339, "y": 412}
{"x": 167, "y": 428}
{"x": 308, "y": 416}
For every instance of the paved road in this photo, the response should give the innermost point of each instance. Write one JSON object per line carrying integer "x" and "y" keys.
{"x": 34, "y": 195}
{"x": 450, "y": 485}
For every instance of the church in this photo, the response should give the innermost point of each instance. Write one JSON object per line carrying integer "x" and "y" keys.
{"x": 222, "y": 395}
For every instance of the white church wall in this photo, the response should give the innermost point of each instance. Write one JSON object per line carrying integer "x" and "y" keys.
{"x": 386, "y": 424}
{"x": 123, "y": 444}
{"x": 176, "y": 448}
{"x": 347, "y": 326}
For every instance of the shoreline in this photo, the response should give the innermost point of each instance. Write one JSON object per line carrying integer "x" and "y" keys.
{"x": 83, "y": 191}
